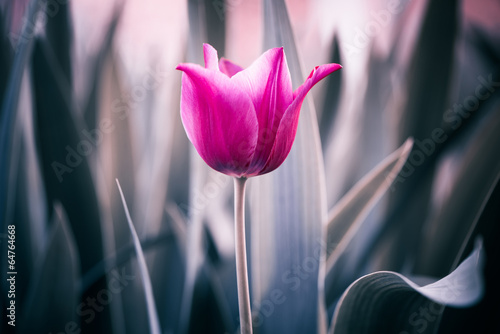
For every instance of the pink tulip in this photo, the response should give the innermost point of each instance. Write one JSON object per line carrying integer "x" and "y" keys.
{"x": 243, "y": 122}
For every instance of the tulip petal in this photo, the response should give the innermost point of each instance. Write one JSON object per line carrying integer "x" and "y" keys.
{"x": 210, "y": 57}
{"x": 267, "y": 82}
{"x": 219, "y": 119}
{"x": 228, "y": 67}
{"x": 316, "y": 75}
{"x": 288, "y": 125}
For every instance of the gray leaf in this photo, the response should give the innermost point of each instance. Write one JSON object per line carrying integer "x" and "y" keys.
{"x": 388, "y": 302}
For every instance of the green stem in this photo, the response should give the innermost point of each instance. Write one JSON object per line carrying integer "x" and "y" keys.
{"x": 241, "y": 256}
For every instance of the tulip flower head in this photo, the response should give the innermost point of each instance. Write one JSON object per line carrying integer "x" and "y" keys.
{"x": 241, "y": 121}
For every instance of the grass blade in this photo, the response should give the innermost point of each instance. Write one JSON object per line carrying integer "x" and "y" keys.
{"x": 154, "y": 323}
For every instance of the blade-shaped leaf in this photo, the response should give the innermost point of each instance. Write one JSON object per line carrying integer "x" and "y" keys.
{"x": 332, "y": 97}
{"x": 481, "y": 318}
{"x": 475, "y": 174}
{"x": 423, "y": 108}
{"x": 154, "y": 323}
{"x": 420, "y": 110}
{"x": 98, "y": 66}
{"x": 288, "y": 212}
{"x": 169, "y": 258}
{"x": 5, "y": 57}
{"x": 30, "y": 207}
{"x": 54, "y": 294}
{"x": 388, "y": 302}
{"x": 196, "y": 291}
{"x": 361, "y": 198}
{"x": 63, "y": 157}
{"x": 194, "y": 251}
{"x": 347, "y": 217}
{"x": 63, "y": 154}
{"x": 9, "y": 137}
{"x": 109, "y": 130}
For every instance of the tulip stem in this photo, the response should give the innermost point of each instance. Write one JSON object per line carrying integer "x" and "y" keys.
{"x": 241, "y": 256}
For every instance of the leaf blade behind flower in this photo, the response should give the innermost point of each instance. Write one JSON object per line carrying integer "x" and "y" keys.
{"x": 288, "y": 210}
{"x": 199, "y": 290}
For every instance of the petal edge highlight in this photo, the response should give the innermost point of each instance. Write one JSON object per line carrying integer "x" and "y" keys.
{"x": 210, "y": 56}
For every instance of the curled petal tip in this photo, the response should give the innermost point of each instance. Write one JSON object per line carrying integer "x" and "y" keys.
{"x": 185, "y": 67}
{"x": 281, "y": 49}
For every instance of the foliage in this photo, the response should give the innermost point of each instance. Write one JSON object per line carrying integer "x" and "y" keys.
{"x": 384, "y": 218}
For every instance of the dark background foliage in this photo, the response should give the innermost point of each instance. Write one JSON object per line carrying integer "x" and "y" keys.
{"x": 89, "y": 94}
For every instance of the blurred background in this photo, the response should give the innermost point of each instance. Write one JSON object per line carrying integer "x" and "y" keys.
{"x": 90, "y": 94}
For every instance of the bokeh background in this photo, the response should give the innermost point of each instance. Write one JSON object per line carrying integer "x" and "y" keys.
{"x": 89, "y": 94}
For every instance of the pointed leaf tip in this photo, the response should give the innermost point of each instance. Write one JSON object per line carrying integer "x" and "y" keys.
{"x": 154, "y": 322}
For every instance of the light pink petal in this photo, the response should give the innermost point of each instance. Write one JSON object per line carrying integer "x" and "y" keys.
{"x": 268, "y": 83}
{"x": 219, "y": 119}
{"x": 228, "y": 67}
{"x": 210, "y": 56}
{"x": 288, "y": 125}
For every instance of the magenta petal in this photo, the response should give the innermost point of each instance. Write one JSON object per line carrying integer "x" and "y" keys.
{"x": 267, "y": 82}
{"x": 288, "y": 125}
{"x": 210, "y": 56}
{"x": 219, "y": 119}
{"x": 317, "y": 74}
{"x": 228, "y": 67}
